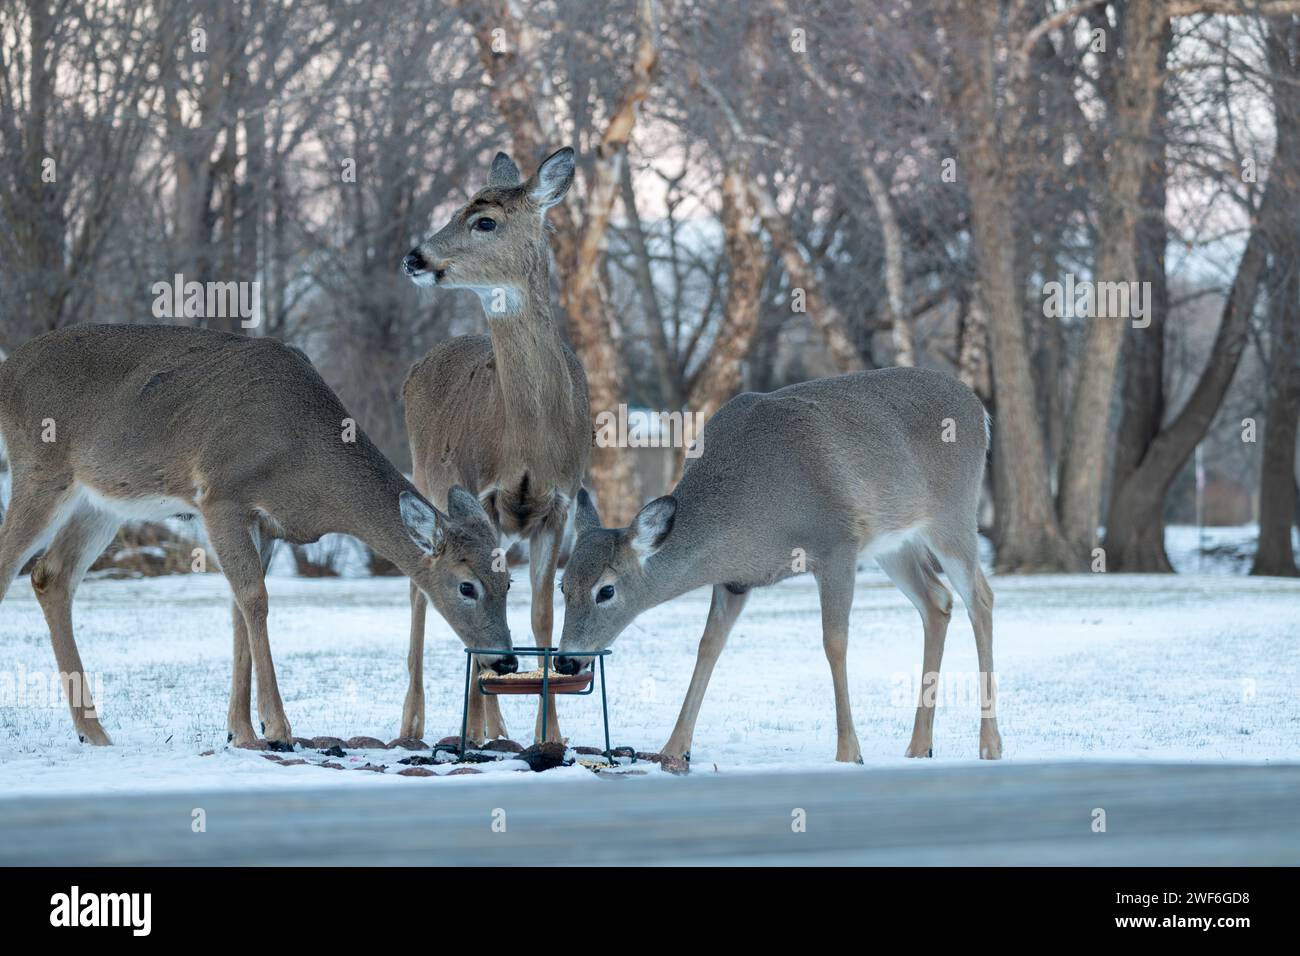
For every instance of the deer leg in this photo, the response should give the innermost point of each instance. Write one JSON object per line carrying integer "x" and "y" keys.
{"x": 484, "y": 721}
{"x": 55, "y": 578}
{"x": 543, "y": 556}
{"x": 476, "y": 723}
{"x": 494, "y": 725}
{"x": 913, "y": 572}
{"x": 835, "y": 587}
{"x": 230, "y": 531}
{"x": 239, "y": 723}
{"x": 413, "y": 708}
{"x": 30, "y": 524}
{"x": 960, "y": 559}
{"x": 724, "y": 610}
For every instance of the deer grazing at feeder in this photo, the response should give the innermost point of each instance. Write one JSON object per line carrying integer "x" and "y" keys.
{"x": 505, "y": 414}
{"x": 806, "y": 478}
{"x": 112, "y": 423}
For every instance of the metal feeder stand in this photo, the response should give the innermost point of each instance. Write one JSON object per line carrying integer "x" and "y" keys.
{"x": 545, "y": 653}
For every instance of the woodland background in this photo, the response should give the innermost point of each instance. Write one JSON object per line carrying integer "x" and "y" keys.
{"x": 767, "y": 191}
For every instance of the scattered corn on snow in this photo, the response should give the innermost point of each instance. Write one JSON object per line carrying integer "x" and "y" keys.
{"x": 1188, "y": 667}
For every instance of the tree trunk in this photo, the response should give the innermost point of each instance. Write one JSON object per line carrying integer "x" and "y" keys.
{"x": 720, "y": 378}
{"x": 1134, "y": 541}
{"x": 1091, "y": 420}
{"x": 250, "y": 201}
{"x": 1277, "y": 501}
{"x": 1277, "y": 472}
{"x": 45, "y": 220}
{"x": 973, "y": 342}
{"x": 1134, "y": 527}
{"x": 1143, "y": 369}
{"x": 666, "y": 371}
{"x": 895, "y": 279}
{"x": 1030, "y": 537}
{"x": 828, "y": 320}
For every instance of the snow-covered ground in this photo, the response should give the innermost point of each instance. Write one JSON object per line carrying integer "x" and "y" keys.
{"x": 1090, "y": 667}
{"x": 1216, "y": 550}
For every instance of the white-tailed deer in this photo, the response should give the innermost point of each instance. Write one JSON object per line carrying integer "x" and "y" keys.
{"x": 505, "y": 415}
{"x": 111, "y": 423}
{"x": 805, "y": 478}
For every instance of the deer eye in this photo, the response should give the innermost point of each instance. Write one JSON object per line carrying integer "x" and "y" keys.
{"x": 468, "y": 589}
{"x": 485, "y": 224}
{"x": 604, "y": 594}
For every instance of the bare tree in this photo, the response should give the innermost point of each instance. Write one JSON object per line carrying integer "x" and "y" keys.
{"x": 990, "y": 130}
{"x": 74, "y": 122}
{"x": 1277, "y": 493}
{"x": 1131, "y": 114}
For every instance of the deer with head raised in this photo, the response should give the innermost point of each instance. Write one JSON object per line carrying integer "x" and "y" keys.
{"x": 112, "y": 423}
{"x": 505, "y": 414}
{"x": 805, "y": 478}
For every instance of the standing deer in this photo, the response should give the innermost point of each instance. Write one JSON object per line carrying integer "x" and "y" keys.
{"x": 887, "y": 461}
{"x": 505, "y": 414}
{"x": 113, "y": 423}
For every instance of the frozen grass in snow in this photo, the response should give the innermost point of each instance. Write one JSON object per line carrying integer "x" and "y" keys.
{"x": 1090, "y": 667}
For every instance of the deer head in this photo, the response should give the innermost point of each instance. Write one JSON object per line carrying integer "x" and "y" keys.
{"x": 606, "y": 584}
{"x": 496, "y": 239}
{"x": 457, "y": 574}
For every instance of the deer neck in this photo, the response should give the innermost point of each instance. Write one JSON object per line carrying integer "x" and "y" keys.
{"x": 387, "y": 536}
{"x": 692, "y": 556}
{"x": 366, "y": 493}
{"x": 531, "y": 369}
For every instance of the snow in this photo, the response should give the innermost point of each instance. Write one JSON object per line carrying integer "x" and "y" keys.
{"x": 1215, "y": 550}
{"x": 1104, "y": 666}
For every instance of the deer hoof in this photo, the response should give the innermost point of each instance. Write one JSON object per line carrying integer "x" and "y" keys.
{"x": 280, "y": 746}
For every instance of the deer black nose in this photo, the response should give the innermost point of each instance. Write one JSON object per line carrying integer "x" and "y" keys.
{"x": 506, "y": 665}
{"x": 566, "y": 665}
{"x": 414, "y": 262}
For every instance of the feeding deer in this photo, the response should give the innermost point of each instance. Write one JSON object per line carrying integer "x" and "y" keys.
{"x": 806, "y": 477}
{"x": 505, "y": 414}
{"x": 111, "y": 423}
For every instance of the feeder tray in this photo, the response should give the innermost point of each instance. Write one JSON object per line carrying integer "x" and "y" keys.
{"x": 531, "y": 682}
{"x": 544, "y": 679}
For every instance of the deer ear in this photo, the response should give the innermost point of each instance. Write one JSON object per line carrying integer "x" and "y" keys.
{"x": 552, "y": 179}
{"x": 423, "y": 522}
{"x": 586, "y": 518}
{"x": 504, "y": 171}
{"x": 649, "y": 529}
{"x": 463, "y": 506}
